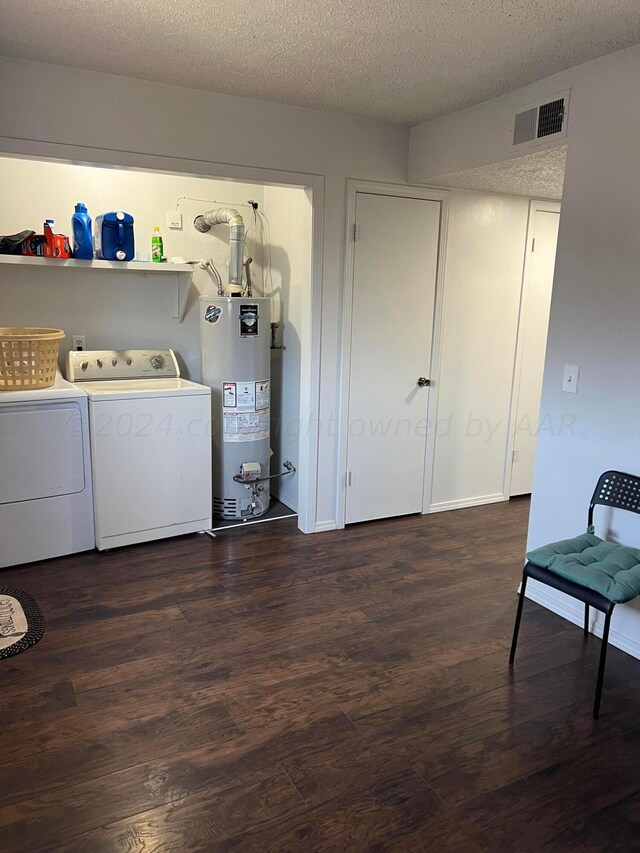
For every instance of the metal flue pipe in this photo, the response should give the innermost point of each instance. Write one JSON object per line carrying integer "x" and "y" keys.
{"x": 227, "y": 216}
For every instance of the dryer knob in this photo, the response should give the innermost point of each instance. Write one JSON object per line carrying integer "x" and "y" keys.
{"x": 158, "y": 362}
{"x": 114, "y": 361}
{"x": 99, "y": 362}
{"x": 84, "y": 365}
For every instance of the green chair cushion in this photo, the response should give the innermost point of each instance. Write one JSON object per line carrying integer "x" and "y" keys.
{"x": 610, "y": 569}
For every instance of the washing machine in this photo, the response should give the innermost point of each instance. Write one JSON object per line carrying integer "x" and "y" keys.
{"x": 150, "y": 445}
{"x": 46, "y": 507}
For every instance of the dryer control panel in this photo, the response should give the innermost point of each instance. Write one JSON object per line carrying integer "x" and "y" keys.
{"x": 122, "y": 364}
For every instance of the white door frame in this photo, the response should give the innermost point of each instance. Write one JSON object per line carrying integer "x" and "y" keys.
{"x": 402, "y": 191}
{"x": 535, "y": 205}
{"x": 312, "y": 311}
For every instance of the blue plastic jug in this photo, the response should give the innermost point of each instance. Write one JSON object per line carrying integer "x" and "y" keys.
{"x": 113, "y": 236}
{"x": 81, "y": 230}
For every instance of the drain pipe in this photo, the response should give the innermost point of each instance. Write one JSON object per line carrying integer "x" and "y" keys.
{"x": 230, "y": 217}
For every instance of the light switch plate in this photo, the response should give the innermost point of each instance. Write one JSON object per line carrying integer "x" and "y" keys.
{"x": 570, "y": 378}
{"x": 174, "y": 219}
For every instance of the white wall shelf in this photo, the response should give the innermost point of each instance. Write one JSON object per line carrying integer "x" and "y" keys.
{"x": 117, "y": 266}
{"x": 182, "y": 273}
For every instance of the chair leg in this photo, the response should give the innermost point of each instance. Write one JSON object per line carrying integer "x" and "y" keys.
{"x": 586, "y": 620}
{"x": 516, "y": 627}
{"x": 603, "y": 659}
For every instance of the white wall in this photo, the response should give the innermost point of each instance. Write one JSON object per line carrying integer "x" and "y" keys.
{"x": 81, "y": 115}
{"x": 482, "y": 134}
{"x": 288, "y": 251}
{"x": 594, "y": 323}
{"x": 485, "y": 256}
{"x": 595, "y": 304}
{"x": 119, "y": 309}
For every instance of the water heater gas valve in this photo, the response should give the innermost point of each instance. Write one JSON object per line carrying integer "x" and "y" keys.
{"x": 250, "y": 471}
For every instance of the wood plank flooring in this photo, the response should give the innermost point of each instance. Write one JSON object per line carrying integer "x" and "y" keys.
{"x": 347, "y": 691}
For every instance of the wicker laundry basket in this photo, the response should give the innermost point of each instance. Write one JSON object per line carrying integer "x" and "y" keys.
{"x": 28, "y": 357}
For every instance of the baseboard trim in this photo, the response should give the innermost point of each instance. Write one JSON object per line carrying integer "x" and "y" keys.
{"x": 576, "y": 615}
{"x": 461, "y": 503}
{"x": 324, "y": 526}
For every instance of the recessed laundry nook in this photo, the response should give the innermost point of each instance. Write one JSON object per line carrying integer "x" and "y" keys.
{"x": 222, "y": 305}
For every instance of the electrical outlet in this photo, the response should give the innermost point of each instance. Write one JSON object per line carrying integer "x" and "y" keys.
{"x": 77, "y": 342}
{"x": 174, "y": 219}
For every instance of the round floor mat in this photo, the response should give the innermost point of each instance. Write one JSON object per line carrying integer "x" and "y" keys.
{"x": 21, "y": 622}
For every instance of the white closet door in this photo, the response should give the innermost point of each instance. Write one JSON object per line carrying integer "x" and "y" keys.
{"x": 534, "y": 325}
{"x": 394, "y": 287}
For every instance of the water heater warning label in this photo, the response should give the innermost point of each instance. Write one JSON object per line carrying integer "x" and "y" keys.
{"x": 229, "y": 395}
{"x": 262, "y": 395}
{"x": 245, "y": 412}
{"x": 246, "y": 396}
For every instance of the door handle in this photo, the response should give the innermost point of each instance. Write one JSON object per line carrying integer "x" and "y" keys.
{"x": 423, "y": 382}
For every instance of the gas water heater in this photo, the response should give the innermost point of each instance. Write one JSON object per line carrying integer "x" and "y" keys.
{"x": 235, "y": 353}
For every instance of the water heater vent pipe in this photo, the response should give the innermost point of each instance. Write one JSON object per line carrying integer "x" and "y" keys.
{"x": 230, "y": 217}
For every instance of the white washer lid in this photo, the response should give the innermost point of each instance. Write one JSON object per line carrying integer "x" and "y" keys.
{"x": 122, "y": 389}
{"x": 60, "y": 390}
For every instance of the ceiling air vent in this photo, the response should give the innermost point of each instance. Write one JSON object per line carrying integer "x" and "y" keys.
{"x": 550, "y": 118}
{"x": 524, "y": 129}
{"x": 541, "y": 122}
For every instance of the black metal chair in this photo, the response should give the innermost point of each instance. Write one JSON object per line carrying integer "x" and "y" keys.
{"x": 614, "y": 489}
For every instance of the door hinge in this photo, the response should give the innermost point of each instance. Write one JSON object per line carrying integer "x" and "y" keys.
{"x": 533, "y": 244}
{"x": 514, "y": 456}
{"x": 356, "y": 232}
{"x": 348, "y": 478}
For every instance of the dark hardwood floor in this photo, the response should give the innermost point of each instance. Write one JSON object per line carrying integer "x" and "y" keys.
{"x": 346, "y": 691}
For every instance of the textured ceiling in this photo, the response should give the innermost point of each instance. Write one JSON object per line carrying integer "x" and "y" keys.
{"x": 403, "y": 60}
{"x": 539, "y": 175}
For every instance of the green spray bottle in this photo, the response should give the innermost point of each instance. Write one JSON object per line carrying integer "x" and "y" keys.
{"x": 157, "y": 249}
